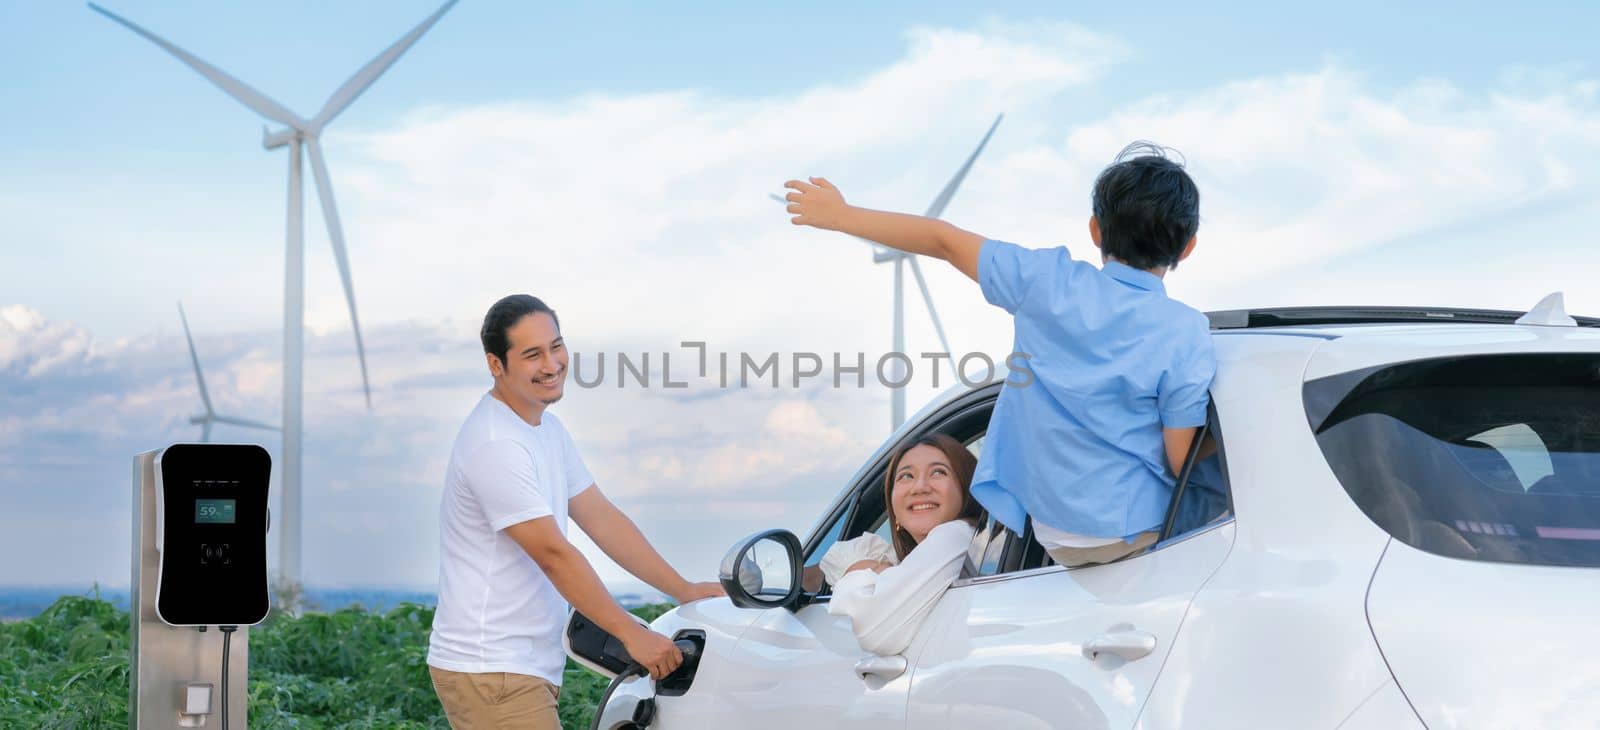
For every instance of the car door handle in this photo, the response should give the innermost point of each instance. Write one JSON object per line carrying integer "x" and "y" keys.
{"x": 881, "y": 667}
{"x": 1121, "y": 641}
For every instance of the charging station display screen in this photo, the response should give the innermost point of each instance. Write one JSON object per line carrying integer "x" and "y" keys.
{"x": 215, "y": 511}
{"x": 214, "y": 534}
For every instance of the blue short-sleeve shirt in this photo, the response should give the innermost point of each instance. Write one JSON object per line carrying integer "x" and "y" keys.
{"x": 1107, "y": 360}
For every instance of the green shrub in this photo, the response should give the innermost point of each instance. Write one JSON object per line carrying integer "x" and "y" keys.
{"x": 68, "y": 668}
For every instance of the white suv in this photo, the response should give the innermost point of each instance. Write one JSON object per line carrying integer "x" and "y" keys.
{"x": 1401, "y": 528}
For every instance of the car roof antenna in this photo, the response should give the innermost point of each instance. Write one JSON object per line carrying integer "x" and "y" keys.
{"x": 1549, "y": 312}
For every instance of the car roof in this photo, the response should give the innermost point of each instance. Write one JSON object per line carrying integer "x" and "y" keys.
{"x": 1367, "y": 336}
{"x": 1363, "y": 337}
{"x": 1339, "y": 317}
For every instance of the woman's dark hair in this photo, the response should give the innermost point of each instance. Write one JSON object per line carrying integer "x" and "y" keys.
{"x": 962, "y": 462}
{"x": 504, "y": 315}
{"x": 1147, "y": 206}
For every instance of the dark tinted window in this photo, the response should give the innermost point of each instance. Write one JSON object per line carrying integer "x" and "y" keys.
{"x": 1204, "y": 499}
{"x": 1486, "y": 458}
{"x": 1201, "y": 496}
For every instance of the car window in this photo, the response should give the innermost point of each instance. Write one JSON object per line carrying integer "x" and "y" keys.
{"x": 872, "y": 501}
{"x": 1201, "y": 497}
{"x": 988, "y": 550}
{"x": 1203, "y": 501}
{"x": 1518, "y": 457}
{"x": 1486, "y": 457}
{"x": 863, "y": 516}
{"x": 828, "y": 540}
{"x": 868, "y": 513}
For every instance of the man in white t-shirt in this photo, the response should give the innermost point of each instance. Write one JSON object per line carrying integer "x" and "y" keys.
{"x": 506, "y": 570}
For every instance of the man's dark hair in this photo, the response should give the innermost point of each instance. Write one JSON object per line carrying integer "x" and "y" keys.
{"x": 504, "y": 315}
{"x": 1147, "y": 206}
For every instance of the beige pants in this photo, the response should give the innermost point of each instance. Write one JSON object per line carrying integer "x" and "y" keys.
{"x": 1079, "y": 557}
{"x": 494, "y": 700}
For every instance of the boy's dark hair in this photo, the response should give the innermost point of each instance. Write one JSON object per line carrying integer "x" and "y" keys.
{"x": 504, "y": 315}
{"x": 1147, "y": 206}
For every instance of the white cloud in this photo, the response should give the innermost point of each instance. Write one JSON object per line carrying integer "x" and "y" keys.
{"x": 800, "y": 420}
{"x": 759, "y": 457}
{"x": 645, "y": 216}
{"x": 29, "y": 345}
{"x": 1302, "y": 168}
{"x": 641, "y": 213}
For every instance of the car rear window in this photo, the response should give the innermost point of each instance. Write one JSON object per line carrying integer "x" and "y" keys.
{"x": 1491, "y": 458}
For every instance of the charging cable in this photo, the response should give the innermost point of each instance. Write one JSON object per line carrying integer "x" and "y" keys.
{"x": 634, "y": 669}
{"x": 645, "y": 712}
{"x": 227, "y": 639}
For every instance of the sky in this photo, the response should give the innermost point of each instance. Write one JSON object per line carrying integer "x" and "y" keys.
{"x": 615, "y": 160}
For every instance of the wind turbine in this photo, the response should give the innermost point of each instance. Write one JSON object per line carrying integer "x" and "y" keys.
{"x": 299, "y": 134}
{"x": 210, "y": 416}
{"x": 883, "y": 254}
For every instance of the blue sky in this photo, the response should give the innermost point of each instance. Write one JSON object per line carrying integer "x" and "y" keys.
{"x": 615, "y": 158}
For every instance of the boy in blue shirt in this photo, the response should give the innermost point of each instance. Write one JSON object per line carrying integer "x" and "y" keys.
{"x": 1089, "y": 445}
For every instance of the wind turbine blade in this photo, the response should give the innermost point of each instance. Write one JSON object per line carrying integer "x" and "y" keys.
{"x": 369, "y": 73}
{"x": 779, "y": 199}
{"x": 234, "y": 87}
{"x": 245, "y": 423}
{"x": 933, "y": 314}
{"x": 205, "y": 430}
{"x": 949, "y": 191}
{"x": 194, "y": 357}
{"x": 330, "y": 214}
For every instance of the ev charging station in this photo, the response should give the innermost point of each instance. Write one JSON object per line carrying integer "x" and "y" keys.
{"x": 199, "y": 577}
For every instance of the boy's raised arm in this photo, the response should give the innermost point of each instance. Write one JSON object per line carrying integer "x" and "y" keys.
{"x": 819, "y": 204}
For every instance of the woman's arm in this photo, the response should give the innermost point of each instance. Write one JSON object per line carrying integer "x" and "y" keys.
{"x": 847, "y": 555}
{"x": 876, "y": 566}
{"x": 886, "y": 608}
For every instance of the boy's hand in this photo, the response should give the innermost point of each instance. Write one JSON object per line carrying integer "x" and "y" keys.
{"x": 817, "y": 203}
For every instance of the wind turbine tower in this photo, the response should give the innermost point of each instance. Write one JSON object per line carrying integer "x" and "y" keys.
{"x": 299, "y": 134}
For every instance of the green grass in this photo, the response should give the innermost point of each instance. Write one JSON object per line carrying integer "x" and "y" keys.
{"x": 68, "y": 668}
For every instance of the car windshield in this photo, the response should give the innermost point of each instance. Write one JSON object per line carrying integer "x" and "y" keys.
{"x": 1487, "y": 458}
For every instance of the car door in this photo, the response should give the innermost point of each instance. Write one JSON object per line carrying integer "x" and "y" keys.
{"x": 1052, "y": 647}
{"x": 801, "y": 673}
{"x": 803, "y": 668}
{"x": 797, "y": 667}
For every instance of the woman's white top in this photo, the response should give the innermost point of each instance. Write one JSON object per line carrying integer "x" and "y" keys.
{"x": 849, "y": 552}
{"x": 886, "y": 608}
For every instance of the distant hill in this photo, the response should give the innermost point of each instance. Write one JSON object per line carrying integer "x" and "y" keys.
{"x": 28, "y": 601}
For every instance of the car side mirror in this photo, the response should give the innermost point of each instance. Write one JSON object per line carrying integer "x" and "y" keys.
{"x": 763, "y": 570}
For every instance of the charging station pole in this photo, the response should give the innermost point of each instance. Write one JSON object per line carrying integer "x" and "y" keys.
{"x": 199, "y": 553}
